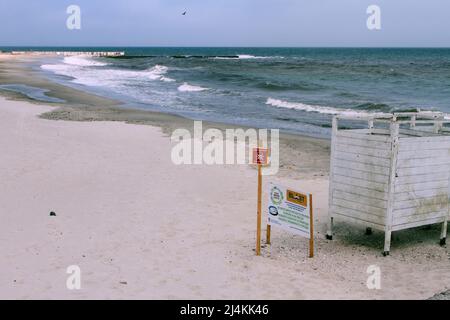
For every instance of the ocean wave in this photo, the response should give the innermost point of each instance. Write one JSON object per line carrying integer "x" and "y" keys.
{"x": 182, "y": 56}
{"x": 158, "y": 72}
{"x": 186, "y": 87}
{"x": 245, "y": 57}
{"x": 280, "y": 86}
{"x": 78, "y": 70}
{"x": 319, "y": 109}
{"x": 83, "y": 61}
{"x": 249, "y": 56}
{"x": 226, "y": 58}
{"x": 166, "y": 79}
{"x": 374, "y": 107}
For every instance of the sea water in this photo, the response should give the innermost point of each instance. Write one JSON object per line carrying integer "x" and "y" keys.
{"x": 292, "y": 89}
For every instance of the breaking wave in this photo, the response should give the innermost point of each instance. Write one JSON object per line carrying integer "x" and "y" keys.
{"x": 319, "y": 109}
{"x": 81, "y": 71}
{"x": 83, "y": 61}
{"x": 186, "y": 87}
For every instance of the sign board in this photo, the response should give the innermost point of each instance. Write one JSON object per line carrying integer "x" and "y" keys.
{"x": 290, "y": 210}
{"x": 260, "y": 156}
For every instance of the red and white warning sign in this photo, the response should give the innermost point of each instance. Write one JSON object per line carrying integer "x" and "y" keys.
{"x": 260, "y": 156}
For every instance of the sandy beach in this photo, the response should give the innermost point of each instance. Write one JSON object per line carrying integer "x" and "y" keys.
{"x": 140, "y": 227}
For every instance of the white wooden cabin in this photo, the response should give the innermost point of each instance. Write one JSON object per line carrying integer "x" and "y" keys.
{"x": 392, "y": 175}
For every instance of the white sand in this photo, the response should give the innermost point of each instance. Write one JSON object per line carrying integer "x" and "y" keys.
{"x": 125, "y": 213}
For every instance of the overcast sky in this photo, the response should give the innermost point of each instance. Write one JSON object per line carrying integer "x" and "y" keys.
{"x": 421, "y": 23}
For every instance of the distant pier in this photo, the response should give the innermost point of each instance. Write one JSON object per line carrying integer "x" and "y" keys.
{"x": 73, "y": 53}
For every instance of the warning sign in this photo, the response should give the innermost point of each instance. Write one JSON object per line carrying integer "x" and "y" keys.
{"x": 260, "y": 156}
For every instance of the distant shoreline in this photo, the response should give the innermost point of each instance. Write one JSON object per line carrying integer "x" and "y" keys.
{"x": 242, "y": 47}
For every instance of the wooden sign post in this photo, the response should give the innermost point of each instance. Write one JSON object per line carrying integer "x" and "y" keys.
{"x": 311, "y": 226}
{"x": 259, "y": 159}
{"x": 258, "y": 219}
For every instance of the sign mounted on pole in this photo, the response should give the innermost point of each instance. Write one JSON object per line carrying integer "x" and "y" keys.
{"x": 291, "y": 210}
{"x": 260, "y": 156}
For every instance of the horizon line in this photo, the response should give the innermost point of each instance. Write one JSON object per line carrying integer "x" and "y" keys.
{"x": 220, "y": 47}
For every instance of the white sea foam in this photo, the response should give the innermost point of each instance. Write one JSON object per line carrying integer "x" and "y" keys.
{"x": 319, "y": 109}
{"x": 244, "y": 57}
{"x": 80, "y": 69}
{"x": 186, "y": 87}
{"x": 249, "y": 56}
{"x": 83, "y": 61}
{"x": 166, "y": 79}
{"x": 158, "y": 72}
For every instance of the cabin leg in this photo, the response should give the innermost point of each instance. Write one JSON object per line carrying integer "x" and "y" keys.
{"x": 387, "y": 242}
{"x": 334, "y": 131}
{"x": 369, "y": 231}
{"x": 394, "y": 130}
{"x": 330, "y": 229}
{"x": 444, "y": 232}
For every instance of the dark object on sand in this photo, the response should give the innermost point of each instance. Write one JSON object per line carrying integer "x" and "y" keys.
{"x": 52, "y": 214}
{"x": 441, "y": 296}
{"x": 184, "y": 13}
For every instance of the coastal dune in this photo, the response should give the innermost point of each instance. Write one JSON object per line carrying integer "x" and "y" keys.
{"x": 140, "y": 227}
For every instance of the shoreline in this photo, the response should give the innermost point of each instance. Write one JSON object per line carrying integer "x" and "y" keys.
{"x": 86, "y": 106}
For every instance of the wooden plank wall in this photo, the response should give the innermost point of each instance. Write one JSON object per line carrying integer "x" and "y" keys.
{"x": 360, "y": 177}
{"x": 422, "y": 182}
